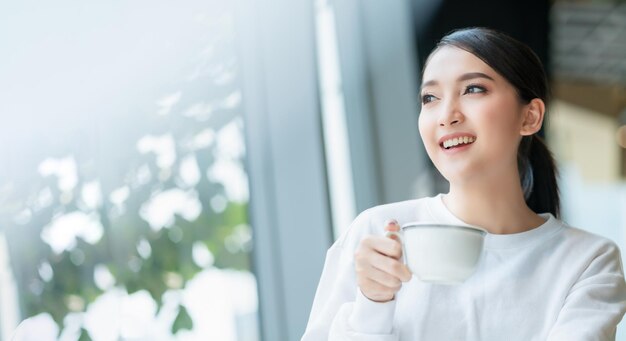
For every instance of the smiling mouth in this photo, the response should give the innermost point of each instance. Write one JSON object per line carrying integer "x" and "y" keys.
{"x": 457, "y": 142}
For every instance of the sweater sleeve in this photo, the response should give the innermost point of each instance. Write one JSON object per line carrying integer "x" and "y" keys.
{"x": 364, "y": 320}
{"x": 340, "y": 311}
{"x": 596, "y": 303}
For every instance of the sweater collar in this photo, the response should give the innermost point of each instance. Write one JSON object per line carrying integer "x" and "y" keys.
{"x": 549, "y": 228}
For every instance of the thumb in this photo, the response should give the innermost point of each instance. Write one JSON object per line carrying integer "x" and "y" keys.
{"x": 392, "y": 226}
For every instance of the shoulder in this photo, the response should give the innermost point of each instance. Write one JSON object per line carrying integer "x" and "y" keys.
{"x": 582, "y": 238}
{"x": 594, "y": 251}
{"x": 372, "y": 220}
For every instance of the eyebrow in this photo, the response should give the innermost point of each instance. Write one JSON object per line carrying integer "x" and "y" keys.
{"x": 463, "y": 77}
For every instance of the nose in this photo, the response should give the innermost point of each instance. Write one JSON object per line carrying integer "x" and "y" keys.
{"x": 451, "y": 114}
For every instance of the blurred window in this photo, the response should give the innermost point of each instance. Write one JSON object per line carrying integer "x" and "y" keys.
{"x": 586, "y": 126}
{"x": 123, "y": 191}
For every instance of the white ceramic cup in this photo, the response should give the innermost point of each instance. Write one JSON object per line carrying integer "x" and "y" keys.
{"x": 441, "y": 253}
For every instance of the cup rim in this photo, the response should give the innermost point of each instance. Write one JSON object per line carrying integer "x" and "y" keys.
{"x": 422, "y": 224}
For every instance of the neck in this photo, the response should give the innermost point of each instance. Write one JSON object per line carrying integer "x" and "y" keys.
{"x": 496, "y": 205}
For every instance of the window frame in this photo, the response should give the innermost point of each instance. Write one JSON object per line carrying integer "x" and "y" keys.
{"x": 284, "y": 137}
{"x": 285, "y": 160}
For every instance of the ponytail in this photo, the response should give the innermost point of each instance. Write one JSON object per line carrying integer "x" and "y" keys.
{"x": 538, "y": 174}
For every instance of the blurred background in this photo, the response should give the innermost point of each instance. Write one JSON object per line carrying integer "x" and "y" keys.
{"x": 177, "y": 171}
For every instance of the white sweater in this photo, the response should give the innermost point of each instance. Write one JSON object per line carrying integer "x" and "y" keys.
{"x": 554, "y": 282}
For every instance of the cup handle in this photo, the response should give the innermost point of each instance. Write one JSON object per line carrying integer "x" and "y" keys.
{"x": 398, "y": 235}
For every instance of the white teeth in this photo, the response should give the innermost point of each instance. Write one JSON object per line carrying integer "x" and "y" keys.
{"x": 458, "y": 140}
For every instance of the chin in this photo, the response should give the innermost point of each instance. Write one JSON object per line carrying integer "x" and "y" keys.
{"x": 457, "y": 175}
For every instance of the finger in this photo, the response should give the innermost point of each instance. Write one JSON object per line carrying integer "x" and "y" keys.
{"x": 391, "y": 266}
{"x": 368, "y": 255}
{"x": 376, "y": 291}
{"x": 392, "y": 226}
{"x": 385, "y": 246}
{"x": 381, "y": 277}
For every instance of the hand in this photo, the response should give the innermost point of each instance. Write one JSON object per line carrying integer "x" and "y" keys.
{"x": 379, "y": 267}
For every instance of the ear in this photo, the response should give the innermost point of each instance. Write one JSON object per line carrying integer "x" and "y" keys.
{"x": 533, "y": 117}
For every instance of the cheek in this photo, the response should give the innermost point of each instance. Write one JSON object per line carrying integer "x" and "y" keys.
{"x": 500, "y": 130}
{"x": 500, "y": 119}
{"x": 426, "y": 130}
{"x": 420, "y": 124}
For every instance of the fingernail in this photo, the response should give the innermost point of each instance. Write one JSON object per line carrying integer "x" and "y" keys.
{"x": 392, "y": 222}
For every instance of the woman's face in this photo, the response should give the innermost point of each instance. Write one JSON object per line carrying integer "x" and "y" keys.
{"x": 471, "y": 117}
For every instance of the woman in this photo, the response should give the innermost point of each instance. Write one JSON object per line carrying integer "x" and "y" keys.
{"x": 483, "y": 101}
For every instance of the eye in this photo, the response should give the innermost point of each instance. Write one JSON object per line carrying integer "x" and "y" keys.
{"x": 474, "y": 89}
{"x": 427, "y": 98}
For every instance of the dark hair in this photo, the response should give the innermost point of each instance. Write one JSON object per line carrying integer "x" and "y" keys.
{"x": 521, "y": 67}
